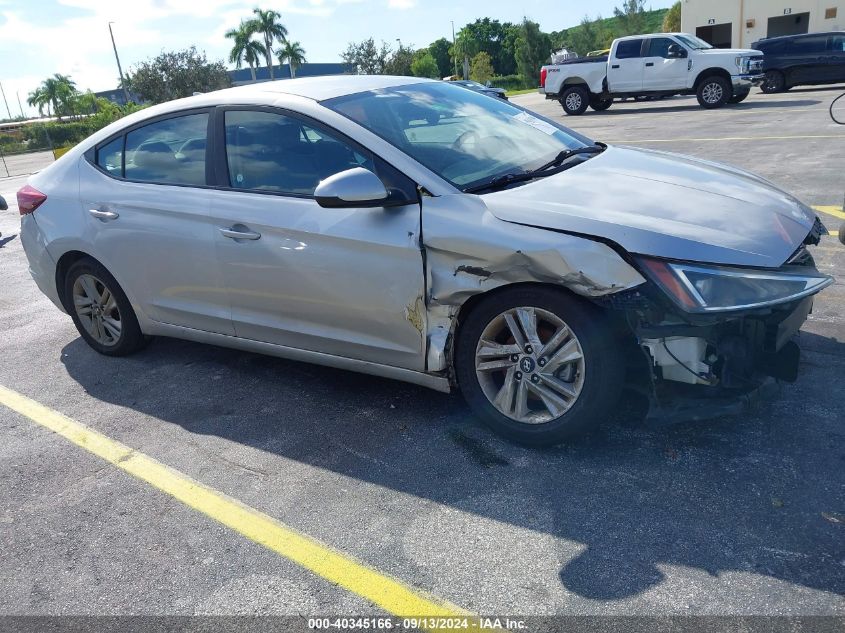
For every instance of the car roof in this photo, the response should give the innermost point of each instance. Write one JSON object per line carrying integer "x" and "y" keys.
{"x": 320, "y": 88}
{"x": 780, "y": 38}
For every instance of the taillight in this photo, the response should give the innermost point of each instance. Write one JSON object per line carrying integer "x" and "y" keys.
{"x": 29, "y": 199}
{"x": 542, "y": 77}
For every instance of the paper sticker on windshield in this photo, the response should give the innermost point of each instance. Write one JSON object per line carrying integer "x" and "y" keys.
{"x": 546, "y": 128}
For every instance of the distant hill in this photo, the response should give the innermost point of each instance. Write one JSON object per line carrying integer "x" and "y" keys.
{"x": 599, "y": 33}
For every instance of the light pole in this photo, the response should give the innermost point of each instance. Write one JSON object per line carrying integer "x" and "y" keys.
{"x": 3, "y": 92}
{"x": 454, "y": 46}
{"x": 18, "y": 95}
{"x": 119, "y": 69}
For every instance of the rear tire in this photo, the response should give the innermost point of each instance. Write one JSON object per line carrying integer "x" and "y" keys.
{"x": 713, "y": 92}
{"x": 100, "y": 310}
{"x": 600, "y": 105}
{"x": 574, "y": 100}
{"x": 739, "y": 97}
{"x": 774, "y": 82}
{"x": 542, "y": 392}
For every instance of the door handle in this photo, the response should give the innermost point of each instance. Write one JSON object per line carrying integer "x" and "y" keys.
{"x": 238, "y": 234}
{"x": 615, "y": 66}
{"x": 105, "y": 216}
{"x": 649, "y": 63}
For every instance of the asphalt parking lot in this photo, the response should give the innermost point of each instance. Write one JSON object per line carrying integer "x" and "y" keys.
{"x": 737, "y": 516}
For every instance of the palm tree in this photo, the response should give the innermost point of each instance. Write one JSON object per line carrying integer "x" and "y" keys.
{"x": 266, "y": 24}
{"x": 244, "y": 48}
{"x": 38, "y": 99}
{"x": 58, "y": 91}
{"x": 294, "y": 54}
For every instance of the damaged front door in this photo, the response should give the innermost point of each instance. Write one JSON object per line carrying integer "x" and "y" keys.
{"x": 342, "y": 281}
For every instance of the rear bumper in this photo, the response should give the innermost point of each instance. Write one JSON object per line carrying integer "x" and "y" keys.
{"x": 42, "y": 268}
{"x": 745, "y": 82}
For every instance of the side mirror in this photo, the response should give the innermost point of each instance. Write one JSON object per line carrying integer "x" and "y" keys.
{"x": 356, "y": 187}
{"x": 676, "y": 51}
{"x": 3, "y": 205}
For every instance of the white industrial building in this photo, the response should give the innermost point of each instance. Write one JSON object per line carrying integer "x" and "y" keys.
{"x": 738, "y": 23}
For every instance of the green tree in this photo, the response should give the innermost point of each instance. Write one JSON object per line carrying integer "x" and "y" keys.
{"x": 425, "y": 65}
{"x": 365, "y": 58}
{"x": 56, "y": 93}
{"x": 38, "y": 98}
{"x": 244, "y": 48}
{"x": 399, "y": 63}
{"x": 172, "y": 75}
{"x": 588, "y": 36}
{"x": 294, "y": 54}
{"x": 267, "y": 25}
{"x": 533, "y": 49}
{"x": 481, "y": 68}
{"x": 631, "y": 17}
{"x": 439, "y": 50}
{"x": 489, "y": 36}
{"x": 672, "y": 20}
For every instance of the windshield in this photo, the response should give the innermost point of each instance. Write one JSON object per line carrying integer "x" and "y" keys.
{"x": 465, "y": 137}
{"x": 694, "y": 42}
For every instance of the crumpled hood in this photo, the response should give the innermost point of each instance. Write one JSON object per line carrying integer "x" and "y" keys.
{"x": 665, "y": 205}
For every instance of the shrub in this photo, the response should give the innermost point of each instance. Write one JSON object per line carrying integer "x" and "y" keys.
{"x": 509, "y": 82}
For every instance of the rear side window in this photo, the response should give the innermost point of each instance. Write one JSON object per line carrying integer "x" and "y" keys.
{"x": 837, "y": 43}
{"x": 169, "y": 151}
{"x": 266, "y": 151}
{"x": 628, "y": 49}
{"x": 110, "y": 157}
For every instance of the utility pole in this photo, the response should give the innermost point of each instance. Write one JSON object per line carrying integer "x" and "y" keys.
{"x": 3, "y": 92}
{"x": 454, "y": 46}
{"x": 119, "y": 69}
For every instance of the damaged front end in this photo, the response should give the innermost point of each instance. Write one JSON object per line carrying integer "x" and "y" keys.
{"x": 717, "y": 339}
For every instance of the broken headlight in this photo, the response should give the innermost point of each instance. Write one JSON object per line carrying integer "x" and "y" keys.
{"x": 701, "y": 288}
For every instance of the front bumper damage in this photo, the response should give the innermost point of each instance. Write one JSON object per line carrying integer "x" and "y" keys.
{"x": 703, "y": 367}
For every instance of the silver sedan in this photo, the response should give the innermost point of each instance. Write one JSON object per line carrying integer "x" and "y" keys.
{"x": 416, "y": 230}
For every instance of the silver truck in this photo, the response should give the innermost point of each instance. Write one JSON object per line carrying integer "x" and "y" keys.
{"x": 657, "y": 65}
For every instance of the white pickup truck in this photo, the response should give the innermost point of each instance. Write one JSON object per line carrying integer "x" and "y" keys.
{"x": 661, "y": 64}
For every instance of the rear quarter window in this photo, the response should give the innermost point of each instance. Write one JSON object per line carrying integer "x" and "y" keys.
{"x": 110, "y": 157}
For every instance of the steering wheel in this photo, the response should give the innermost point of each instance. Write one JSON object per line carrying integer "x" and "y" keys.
{"x": 464, "y": 138}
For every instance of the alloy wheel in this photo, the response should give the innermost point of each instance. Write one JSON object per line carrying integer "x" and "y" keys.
{"x": 96, "y": 307}
{"x": 712, "y": 92}
{"x": 530, "y": 365}
{"x": 573, "y": 101}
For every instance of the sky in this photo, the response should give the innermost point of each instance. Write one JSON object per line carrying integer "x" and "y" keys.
{"x": 42, "y": 37}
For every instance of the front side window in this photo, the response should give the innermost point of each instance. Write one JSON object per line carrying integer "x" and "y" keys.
{"x": 628, "y": 49}
{"x": 168, "y": 151}
{"x": 659, "y": 47}
{"x": 808, "y": 45}
{"x": 463, "y": 136}
{"x": 266, "y": 151}
{"x": 837, "y": 43}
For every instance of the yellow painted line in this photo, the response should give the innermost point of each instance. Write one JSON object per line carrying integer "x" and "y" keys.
{"x": 837, "y": 212}
{"x": 834, "y": 233}
{"x": 388, "y": 593}
{"x": 725, "y": 138}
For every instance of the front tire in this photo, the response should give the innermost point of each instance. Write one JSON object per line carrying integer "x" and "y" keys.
{"x": 714, "y": 92}
{"x": 739, "y": 97}
{"x": 538, "y": 365}
{"x": 575, "y": 100}
{"x": 600, "y": 105}
{"x": 774, "y": 82}
{"x": 100, "y": 309}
